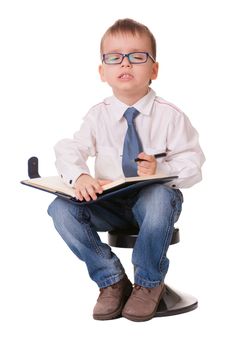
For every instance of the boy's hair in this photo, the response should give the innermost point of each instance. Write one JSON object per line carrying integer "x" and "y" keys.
{"x": 127, "y": 25}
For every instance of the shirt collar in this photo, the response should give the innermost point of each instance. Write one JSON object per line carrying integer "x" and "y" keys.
{"x": 144, "y": 105}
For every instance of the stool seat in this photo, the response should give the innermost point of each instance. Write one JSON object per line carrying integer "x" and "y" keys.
{"x": 127, "y": 238}
{"x": 172, "y": 302}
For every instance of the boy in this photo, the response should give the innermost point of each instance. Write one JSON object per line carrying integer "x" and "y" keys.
{"x": 134, "y": 122}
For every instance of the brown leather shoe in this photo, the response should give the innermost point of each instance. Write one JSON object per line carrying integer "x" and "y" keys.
{"x": 143, "y": 302}
{"x": 112, "y": 299}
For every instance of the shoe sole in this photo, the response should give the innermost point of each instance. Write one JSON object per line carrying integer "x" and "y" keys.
{"x": 148, "y": 317}
{"x": 115, "y": 314}
{"x": 111, "y": 316}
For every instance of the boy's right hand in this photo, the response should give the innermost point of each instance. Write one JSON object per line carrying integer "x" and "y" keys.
{"x": 86, "y": 187}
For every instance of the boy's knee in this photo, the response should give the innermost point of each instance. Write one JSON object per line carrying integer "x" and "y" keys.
{"x": 157, "y": 192}
{"x": 58, "y": 207}
{"x": 158, "y": 199}
{"x": 52, "y": 208}
{"x": 61, "y": 210}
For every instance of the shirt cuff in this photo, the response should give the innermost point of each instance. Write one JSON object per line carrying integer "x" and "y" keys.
{"x": 70, "y": 180}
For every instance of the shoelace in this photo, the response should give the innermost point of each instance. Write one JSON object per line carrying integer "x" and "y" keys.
{"x": 113, "y": 286}
{"x": 144, "y": 289}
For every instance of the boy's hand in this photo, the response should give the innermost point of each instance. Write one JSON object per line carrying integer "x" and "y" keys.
{"x": 147, "y": 166}
{"x": 86, "y": 187}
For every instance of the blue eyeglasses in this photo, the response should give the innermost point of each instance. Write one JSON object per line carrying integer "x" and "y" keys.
{"x": 133, "y": 57}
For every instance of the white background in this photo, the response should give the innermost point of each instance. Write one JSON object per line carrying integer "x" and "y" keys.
{"x": 49, "y": 80}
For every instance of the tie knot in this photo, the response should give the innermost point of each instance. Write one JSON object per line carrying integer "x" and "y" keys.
{"x": 130, "y": 114}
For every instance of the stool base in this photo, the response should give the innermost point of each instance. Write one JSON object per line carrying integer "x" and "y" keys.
{"x": 174, "y": 303}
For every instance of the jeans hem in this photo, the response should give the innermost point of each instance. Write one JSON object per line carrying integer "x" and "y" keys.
{"x": 111, "y": 280}
{"x": 147, "y": 284}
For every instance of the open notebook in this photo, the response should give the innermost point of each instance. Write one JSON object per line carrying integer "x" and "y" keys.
{"x": 55, "y": 185}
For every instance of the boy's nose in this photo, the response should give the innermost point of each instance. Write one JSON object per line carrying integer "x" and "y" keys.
{"x": 125, "y": 62}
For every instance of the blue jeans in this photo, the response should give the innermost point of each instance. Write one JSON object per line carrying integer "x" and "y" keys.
{"x": 154, "y": 210}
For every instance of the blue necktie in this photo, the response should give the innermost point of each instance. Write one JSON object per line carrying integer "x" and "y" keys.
{"x": 132, "y": 144}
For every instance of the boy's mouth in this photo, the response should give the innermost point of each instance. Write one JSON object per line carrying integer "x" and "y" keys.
{"x": 125, "y": 76}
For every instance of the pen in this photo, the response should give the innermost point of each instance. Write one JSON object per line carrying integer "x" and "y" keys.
{"x": 158, "y": 155}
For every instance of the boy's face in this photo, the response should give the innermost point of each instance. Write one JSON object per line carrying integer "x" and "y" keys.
{"x": 128, "y": 81}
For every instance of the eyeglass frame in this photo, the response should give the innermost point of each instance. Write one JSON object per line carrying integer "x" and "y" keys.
{"x": 123, "y": 55}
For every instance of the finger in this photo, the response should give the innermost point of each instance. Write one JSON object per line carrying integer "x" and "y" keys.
{"x": 148, "y": 169}
{"x": 91, "y": 192}
{"x": 78, "y": 195}
{"x": 97, "y": 187}
{"x": 104, "y": 182}
{"x": 144, "y": 164}
{"x": 142, "y": 172}
{"x": 146, "y": 157}
{"x": 85, "y": 194}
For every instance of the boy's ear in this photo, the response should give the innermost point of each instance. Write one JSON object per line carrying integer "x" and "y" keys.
{"x": 155, "y": 70}
{"x": 101, "y": 72}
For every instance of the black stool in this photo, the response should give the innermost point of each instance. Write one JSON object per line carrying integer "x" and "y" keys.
{"x": 173, "y": 302}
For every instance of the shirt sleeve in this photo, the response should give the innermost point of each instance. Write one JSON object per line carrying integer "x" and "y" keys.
{"x": 72, "y": 154}
{"x": 185, "y": 156}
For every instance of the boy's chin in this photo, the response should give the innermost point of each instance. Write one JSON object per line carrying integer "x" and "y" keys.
{"x": 131, "y": 91}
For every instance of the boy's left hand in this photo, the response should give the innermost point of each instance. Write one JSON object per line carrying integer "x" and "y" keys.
{"x": 147, "y": 166}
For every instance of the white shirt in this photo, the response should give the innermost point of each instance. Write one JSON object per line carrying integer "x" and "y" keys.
{"x": 161, "y": 126}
